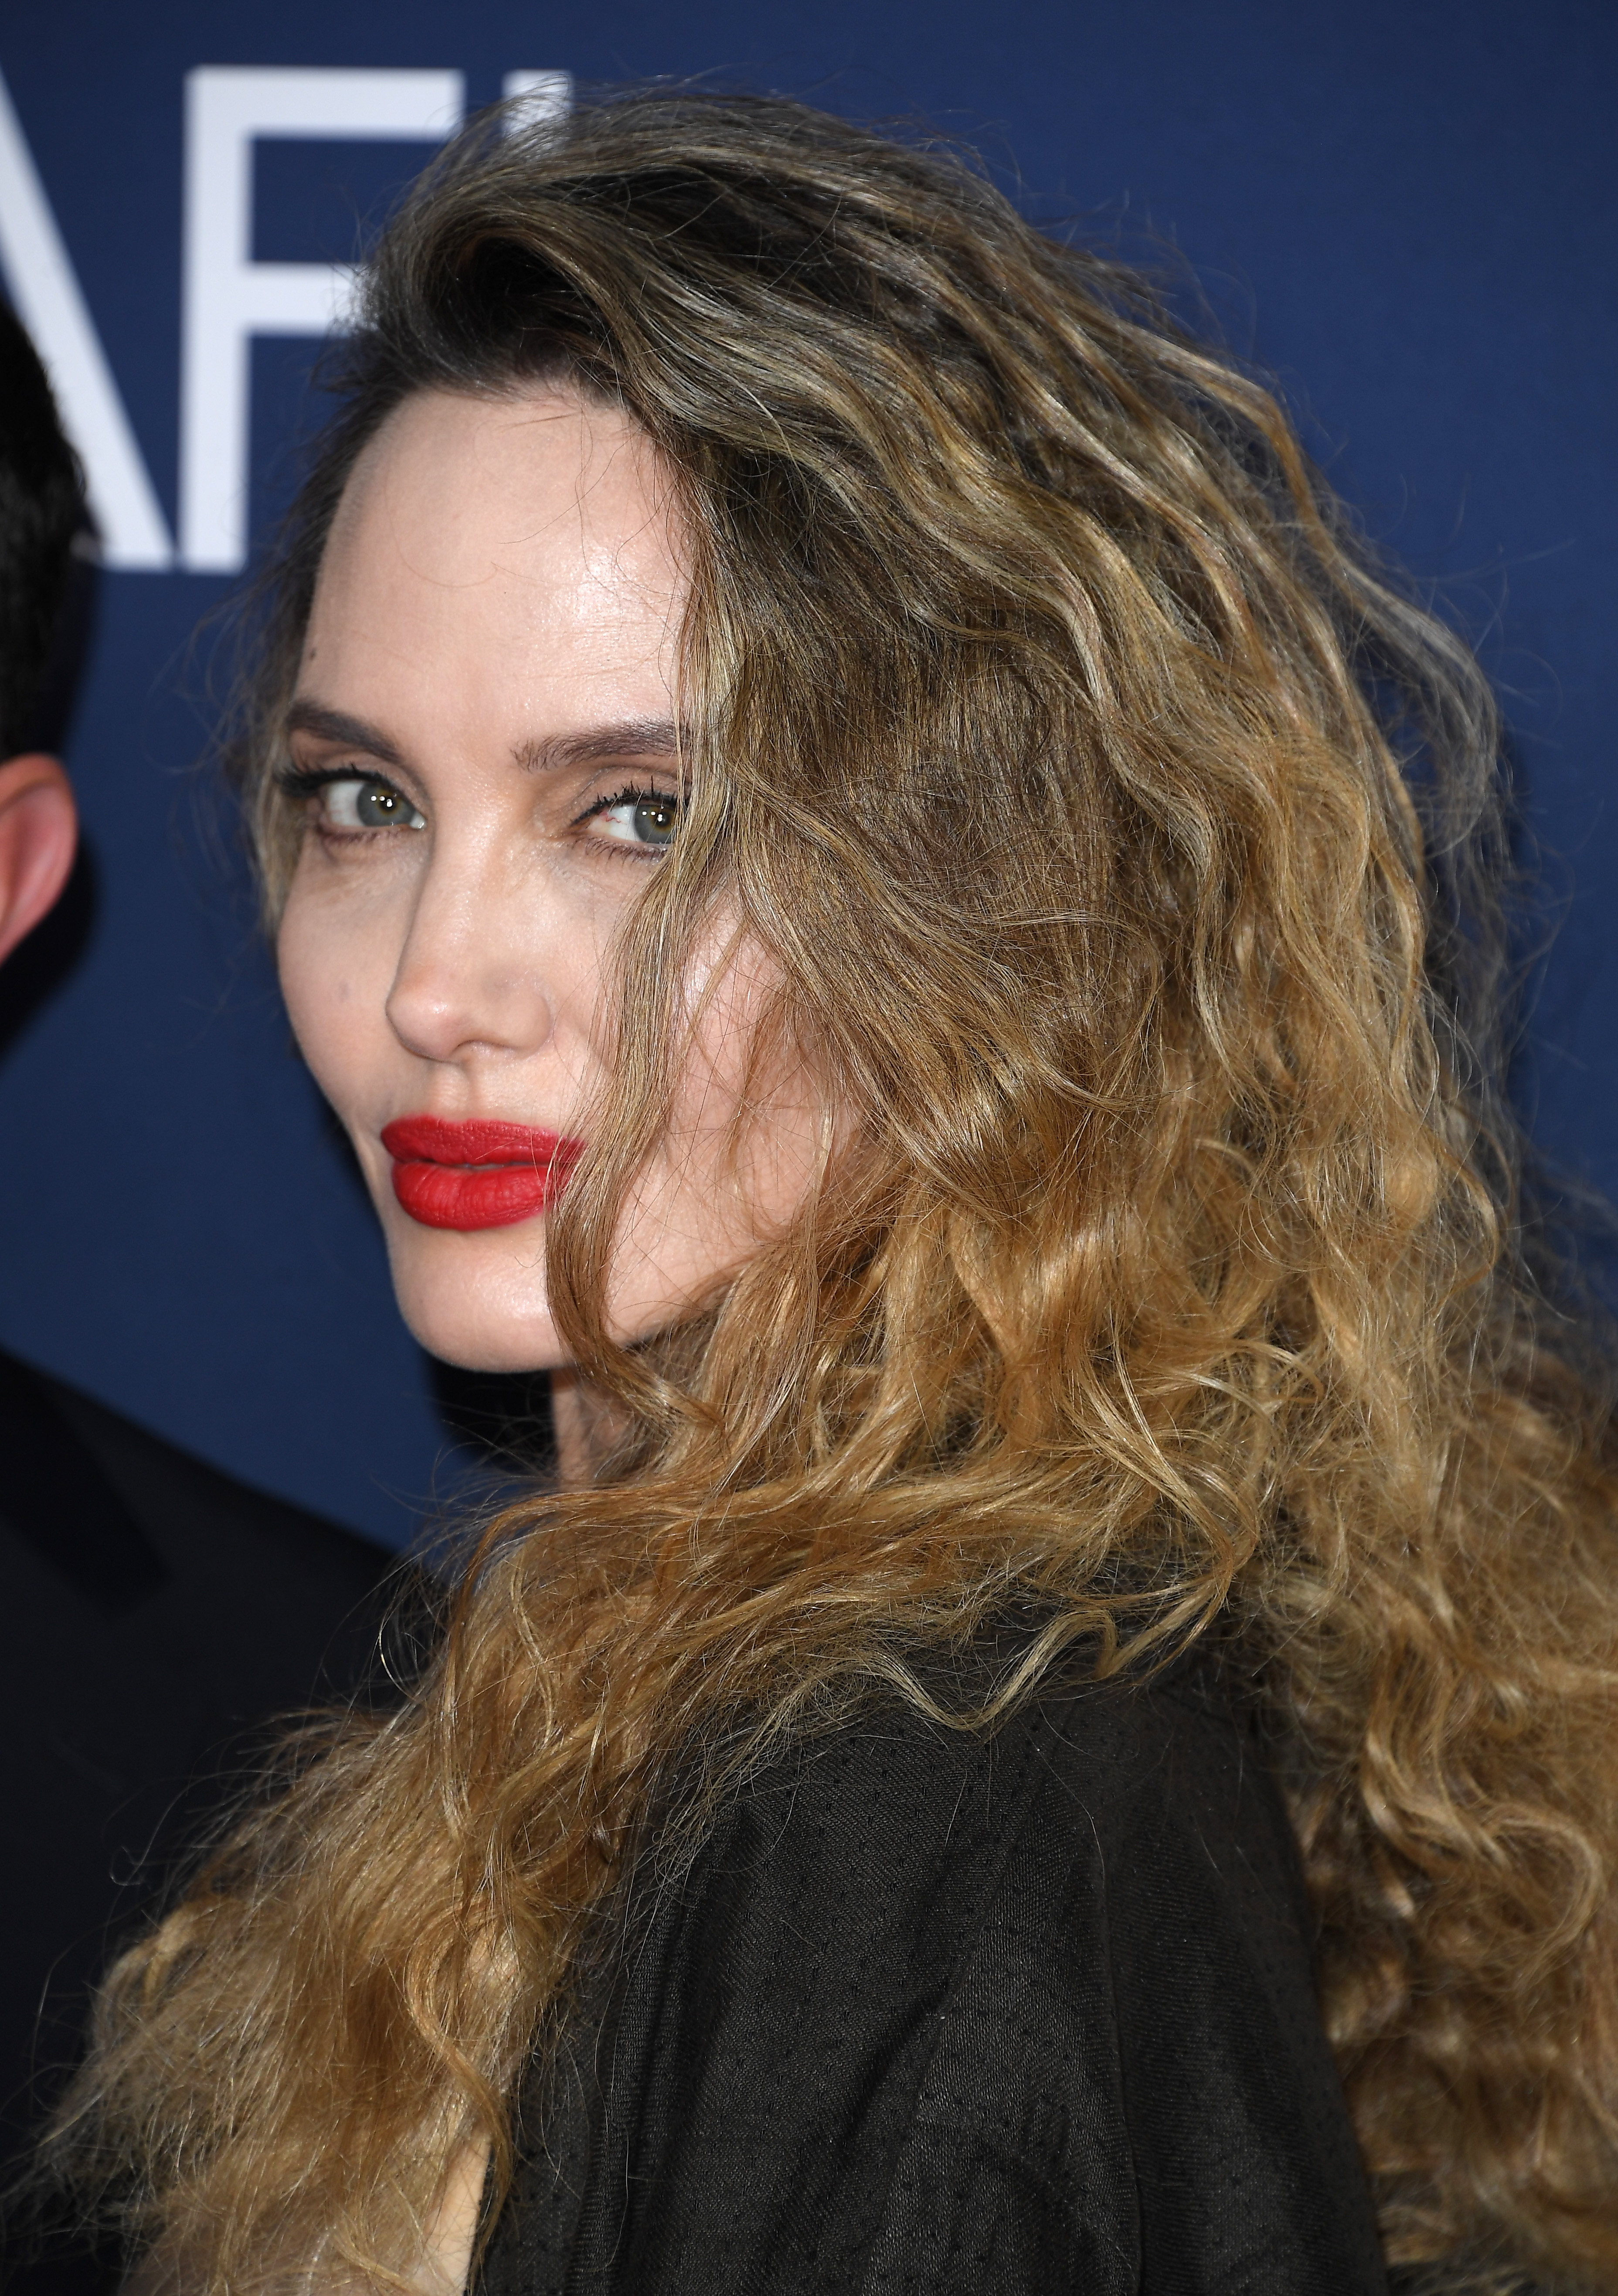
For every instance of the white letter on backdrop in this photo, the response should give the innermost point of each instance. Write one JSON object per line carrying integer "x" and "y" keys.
{"x": 537, "y": 96}
{"x": 229, "y": 299}
{"x": 48, "y": 302}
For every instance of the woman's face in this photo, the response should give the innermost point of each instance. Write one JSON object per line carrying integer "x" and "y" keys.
{"x": 483, "y": 740}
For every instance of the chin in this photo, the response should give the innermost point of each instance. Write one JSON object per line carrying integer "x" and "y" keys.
{"x": 464, "y": 1313}
{"x": 470, "y": 1350}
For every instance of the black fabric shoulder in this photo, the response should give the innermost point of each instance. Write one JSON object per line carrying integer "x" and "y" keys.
{"x": 969, "y": 2015}
{"x": 154, "y": 1615}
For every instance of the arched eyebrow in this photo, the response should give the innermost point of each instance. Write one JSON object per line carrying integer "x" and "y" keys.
{"x": 631, "y": 737}
{"x": 634, "y": 737}
{"x": 336, "y": 726}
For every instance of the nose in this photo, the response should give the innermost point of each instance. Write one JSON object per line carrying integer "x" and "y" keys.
{"x": 470, "y": 975}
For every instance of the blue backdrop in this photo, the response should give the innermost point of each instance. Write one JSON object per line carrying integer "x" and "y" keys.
{"x": 1405, "y": 210}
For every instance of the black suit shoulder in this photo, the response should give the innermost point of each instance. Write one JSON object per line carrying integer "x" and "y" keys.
{"x": 155, "y": 1616}
{"x": 942, "y": 2011}
{"x": 265, "y": 1602}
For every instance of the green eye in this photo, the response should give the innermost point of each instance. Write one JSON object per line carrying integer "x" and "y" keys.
{"x": 655, "y": 819}
{"x": 367, "y": 803}
{"x": 644, "y": 817}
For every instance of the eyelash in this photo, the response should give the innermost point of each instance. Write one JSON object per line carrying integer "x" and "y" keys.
{"x": 305, "y": 782}
{"x": 301, "y": 783}
{"x": 631, "y": 794}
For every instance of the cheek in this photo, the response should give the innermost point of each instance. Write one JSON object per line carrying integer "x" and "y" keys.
{"x": 751, "y": 1119}
{"x": 323, "y": 980}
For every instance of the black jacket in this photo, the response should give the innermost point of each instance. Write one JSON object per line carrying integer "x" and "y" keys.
{"x": 154, "y": 1614}
{"x": 964, "y": 2017}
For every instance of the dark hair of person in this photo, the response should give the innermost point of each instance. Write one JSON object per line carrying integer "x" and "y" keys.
{"x": 41, "y": 505}
{"x": 1126, "y": 844}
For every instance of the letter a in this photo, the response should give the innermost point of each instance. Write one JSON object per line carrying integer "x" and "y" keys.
{"x": 49, "y": 303}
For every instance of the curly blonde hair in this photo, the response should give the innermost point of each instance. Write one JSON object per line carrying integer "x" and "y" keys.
{"x": 1127, "y": 846}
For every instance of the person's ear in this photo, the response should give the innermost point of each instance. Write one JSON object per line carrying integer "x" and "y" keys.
{"x": 38, "y": 834}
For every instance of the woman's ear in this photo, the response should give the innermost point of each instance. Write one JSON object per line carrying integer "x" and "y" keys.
{"x": 38, "y": 835}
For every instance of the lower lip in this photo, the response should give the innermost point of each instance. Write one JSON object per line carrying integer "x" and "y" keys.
{"x": 472, "y": 1177}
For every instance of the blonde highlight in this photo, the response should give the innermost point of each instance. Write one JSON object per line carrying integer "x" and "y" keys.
{"x": 1125, "y": 846}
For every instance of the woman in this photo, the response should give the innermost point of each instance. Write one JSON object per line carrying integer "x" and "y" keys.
{"x": 880, "y": 886}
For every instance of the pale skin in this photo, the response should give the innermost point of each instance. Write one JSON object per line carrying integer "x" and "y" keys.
{"x": 488, "y": 686}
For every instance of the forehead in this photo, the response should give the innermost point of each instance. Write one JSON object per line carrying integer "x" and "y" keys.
{"x": 508, "y": 534}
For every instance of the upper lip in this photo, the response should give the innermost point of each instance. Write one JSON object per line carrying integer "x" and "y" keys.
{"x": 437, "y": 1140}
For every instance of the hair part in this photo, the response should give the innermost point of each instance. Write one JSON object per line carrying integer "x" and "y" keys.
{"x": 1128, "y": 848}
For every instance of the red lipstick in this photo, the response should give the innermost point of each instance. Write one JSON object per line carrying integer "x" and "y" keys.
{"x": 471, "y": 1176}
